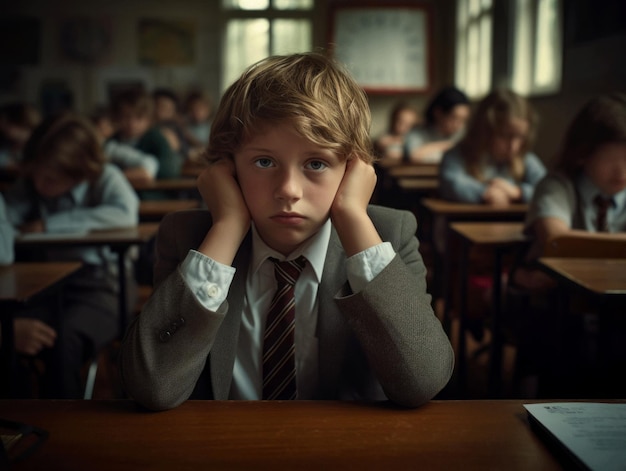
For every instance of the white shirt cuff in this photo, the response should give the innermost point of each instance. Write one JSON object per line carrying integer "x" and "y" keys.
{"x": 207, "y": 279}
{"x": 364, "y": 266}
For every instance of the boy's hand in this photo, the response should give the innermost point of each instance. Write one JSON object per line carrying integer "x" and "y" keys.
{"x": 349, "y": 209}
{"x": 495, "y": 196}
{"x": 231, "y": 218}
{"x": 32, "y": 336}
{"x": 514, "y": 192}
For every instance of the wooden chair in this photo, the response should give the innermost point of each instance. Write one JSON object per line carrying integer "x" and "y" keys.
{"x": 589, "y": 245}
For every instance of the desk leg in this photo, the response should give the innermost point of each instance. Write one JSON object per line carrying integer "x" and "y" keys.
{"x": 462, "y": 353}
{"x": 7, "y": 353}
{"x": 123, "y": 308}
{"x": 495, "y": 364}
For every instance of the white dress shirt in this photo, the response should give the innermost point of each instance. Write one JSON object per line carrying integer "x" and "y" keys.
{"x": 210, "y": 280}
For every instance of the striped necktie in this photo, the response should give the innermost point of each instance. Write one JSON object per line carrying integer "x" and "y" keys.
{"x": 602, "y": 206}
{"x": 279, "y": 368}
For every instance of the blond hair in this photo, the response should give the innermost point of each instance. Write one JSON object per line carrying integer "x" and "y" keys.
{"x": 310, "y": 91}
{"x": 493, "y": 113}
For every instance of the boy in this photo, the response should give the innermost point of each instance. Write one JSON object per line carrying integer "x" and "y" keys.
{"x": 132, "y": 111}
{"x": 291, "y": 176}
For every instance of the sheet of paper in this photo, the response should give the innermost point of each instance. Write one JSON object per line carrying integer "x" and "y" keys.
{"x": 594, "y": 432}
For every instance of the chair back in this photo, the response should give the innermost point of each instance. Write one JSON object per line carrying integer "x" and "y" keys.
{"x": 586, "y": 246}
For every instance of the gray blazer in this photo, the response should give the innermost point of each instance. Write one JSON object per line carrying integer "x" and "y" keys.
{"x": 387, "y": 335}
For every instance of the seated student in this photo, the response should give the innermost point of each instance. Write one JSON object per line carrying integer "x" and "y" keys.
{"x": 132, "y": 113}
{"x": 444, "y": 123}
{"x": 290, "y": 177}
{"x": 7, "y": 236}
{"x": 17, "y": 121}
{"x": 198, "y": 114}
{"x": 67, "y": 186}
{"x": 586, "y": 192}
{"x": 138, "y": 166}
{"x": 391, "y": 145}
{"x": 493, "y": 163}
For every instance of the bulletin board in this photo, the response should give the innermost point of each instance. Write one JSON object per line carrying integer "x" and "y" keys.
{"x": 386, "y": 46}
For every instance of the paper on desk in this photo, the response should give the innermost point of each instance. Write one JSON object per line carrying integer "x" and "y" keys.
{"x": 594, "y": 432}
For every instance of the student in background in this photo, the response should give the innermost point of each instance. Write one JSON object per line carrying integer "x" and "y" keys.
{"x": 291, "y": 176}
{"x": 7, "y": 236}
{"x": 67, "y": 186}
{"x": 198, "y": 114}
{"x": 493, "y": 163}
{"x": 444, "y": 123}
{"x": 391, "y": 145}
{"x": 132, "y": 114}
{"x": 17, "y": 121}
{"x": 138, "y": 166}
{"x": 586, "y": 192}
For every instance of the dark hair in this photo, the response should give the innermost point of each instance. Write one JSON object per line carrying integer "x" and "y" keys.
{"x": 67, "y": 143}
{"x": 20, "y": 114}
{"x": 136, "y": 99}
{"x": 445, "y": 100}
{"x": 166, "y": 93}
{"x": 602, "y": 120}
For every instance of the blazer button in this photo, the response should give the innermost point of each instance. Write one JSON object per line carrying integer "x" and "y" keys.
{"x": 165, "y": 335}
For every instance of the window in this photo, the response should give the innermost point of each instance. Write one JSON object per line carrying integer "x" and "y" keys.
{"x": 537, "y": 49}
{"x": 474, "y": 46}
{"x": 256, "y": 29}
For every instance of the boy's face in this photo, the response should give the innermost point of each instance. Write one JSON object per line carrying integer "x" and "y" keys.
{"x": 289, "y": 185}
{"x": 164, "y": 109}
{"x": 51, "y": 183}
{"x": 452, "y": 122}
{"x": 607, "y": 168}
{"x": 132, "y": 124}
{"x": 508, "y": 140}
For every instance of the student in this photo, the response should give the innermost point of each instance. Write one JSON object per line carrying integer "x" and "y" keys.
{"x": 7, "y": 236}
{"x": 291, "y": 175}
{"x": 590, "y": 167}
{"x": 444, "y": 123}
{"x": 66, "y": 186}
{"x": 132, "y": 113}
{"x": 390, "y": 146}
{"x": 493, "y": 163}
{"x": 17, "y": 121}
{"x": 198, "y": 114}
{"x": 138, "y": 166}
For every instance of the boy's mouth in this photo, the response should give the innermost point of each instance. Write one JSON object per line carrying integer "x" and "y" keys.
{"x": 288, "y": 218}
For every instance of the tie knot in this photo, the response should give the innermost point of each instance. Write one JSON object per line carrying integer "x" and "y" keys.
{"x": 289, "y": 270}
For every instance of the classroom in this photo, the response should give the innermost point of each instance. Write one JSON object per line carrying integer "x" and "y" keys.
{"x": 407, "y": 215}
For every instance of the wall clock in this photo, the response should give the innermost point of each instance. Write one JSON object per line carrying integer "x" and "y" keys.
{"x": 386, "y": 47}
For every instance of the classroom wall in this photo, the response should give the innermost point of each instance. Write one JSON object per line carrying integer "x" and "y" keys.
{"x": 593, "y": 61}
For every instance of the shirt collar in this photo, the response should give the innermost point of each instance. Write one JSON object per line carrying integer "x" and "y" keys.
{"x": 314, "y": 250}
{"x": 588, "y": 192}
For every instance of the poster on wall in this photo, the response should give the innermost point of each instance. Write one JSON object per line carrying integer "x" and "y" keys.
{"x": 166, "y": 43}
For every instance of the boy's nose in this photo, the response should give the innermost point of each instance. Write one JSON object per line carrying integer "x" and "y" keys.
{"x": 288, "y": 186}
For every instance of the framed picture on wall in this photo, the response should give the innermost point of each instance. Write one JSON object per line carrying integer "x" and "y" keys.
{"x": 386, "y": 46}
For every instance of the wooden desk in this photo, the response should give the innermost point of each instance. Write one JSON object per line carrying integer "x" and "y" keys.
{"x": 19, "y": 283}
{"x": 155, "y": 210}
{"x": 421, "y": 186}
{"x": 443, "y": 212}
{"x": 604, "y": 280}
{"x": 119, "y": 240}
{"x": 170, "y": 184}
{"x": 293, "y": 435}
{"x": 413, "y": 170}
{"x": 500, "y": 237}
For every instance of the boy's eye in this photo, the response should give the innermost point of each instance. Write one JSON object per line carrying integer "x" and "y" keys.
{"x": 316, "y": 165}
{"x": 263, "y": 162}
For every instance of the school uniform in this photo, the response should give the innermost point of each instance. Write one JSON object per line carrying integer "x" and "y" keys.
{"x": 423, "y": 135}
{"x": 7, "y": 236}
{"x": 87, "y": 318}
{"x": 357, "y": 336}
{"x": 456, "y": 184}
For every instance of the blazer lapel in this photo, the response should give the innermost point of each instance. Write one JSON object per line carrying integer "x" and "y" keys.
{"x": 332, "y": 328}
{"x": 222, "y": 356}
